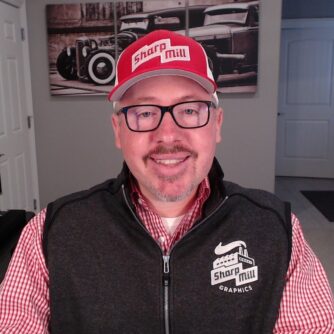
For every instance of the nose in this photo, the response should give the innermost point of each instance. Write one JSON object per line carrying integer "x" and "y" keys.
{"x": 168, "y": 131}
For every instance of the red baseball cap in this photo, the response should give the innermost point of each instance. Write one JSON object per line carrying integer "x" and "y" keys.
{"x": 162, "y": 52}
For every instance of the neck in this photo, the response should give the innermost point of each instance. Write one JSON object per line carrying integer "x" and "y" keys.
{"x": 172, "y": 209}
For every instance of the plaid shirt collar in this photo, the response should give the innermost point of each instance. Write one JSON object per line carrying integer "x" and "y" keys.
{"x": 153, "y": 222}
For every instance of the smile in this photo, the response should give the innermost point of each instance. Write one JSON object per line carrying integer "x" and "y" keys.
{"x": 169, "y": 162}
{"x": 169, "y": 157}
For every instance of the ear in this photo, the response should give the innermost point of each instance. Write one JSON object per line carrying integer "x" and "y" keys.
{"x": 218, "y": 123}
{"x": 115, "y": 122}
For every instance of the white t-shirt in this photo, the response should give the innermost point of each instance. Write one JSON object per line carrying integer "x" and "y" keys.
{"x": 171, "y": 223}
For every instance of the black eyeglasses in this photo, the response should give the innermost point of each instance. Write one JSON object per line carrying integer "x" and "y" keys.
{"x": 147, "y": 117}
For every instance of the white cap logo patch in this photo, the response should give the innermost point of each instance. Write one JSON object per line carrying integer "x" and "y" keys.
{"x": 163, "y": 49}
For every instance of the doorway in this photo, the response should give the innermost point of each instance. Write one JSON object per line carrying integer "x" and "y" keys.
{"x": 18, "y": 171}
{"x": 305, "y": 125}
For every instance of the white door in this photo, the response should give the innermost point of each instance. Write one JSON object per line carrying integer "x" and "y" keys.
{"x": 17, "y": 187}
{"x": 305, "y": 132}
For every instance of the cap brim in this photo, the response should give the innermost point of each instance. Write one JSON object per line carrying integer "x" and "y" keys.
{"x": 118, "y": 91}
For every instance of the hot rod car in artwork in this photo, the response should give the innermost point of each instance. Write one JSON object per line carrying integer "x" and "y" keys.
{"x": 230, "y": 37}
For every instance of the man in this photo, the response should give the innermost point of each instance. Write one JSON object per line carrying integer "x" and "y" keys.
{"x": 167, "y": 246}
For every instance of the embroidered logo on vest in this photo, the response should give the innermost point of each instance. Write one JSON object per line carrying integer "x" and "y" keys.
{"x": 163, "y": 49}
{"x": 235, "y": 266}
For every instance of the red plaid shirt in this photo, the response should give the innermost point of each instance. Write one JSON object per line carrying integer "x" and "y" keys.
{"x": 153, "y": 221}
{"x": 306, "y": 306}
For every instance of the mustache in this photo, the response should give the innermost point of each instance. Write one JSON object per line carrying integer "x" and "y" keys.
{"x": 162, "y": 149}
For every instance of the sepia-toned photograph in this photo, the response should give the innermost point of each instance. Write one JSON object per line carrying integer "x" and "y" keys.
{"x": 86, "y": 39}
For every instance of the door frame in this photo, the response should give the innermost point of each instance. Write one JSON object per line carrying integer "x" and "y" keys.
{"x": 21, "y": 5}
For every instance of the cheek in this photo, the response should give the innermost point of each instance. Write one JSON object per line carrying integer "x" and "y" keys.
{"x": 205, "y": 144}
{"x": 133, "y": 145}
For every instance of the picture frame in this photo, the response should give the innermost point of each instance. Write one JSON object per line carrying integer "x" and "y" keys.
{"x": 86, "y": 39}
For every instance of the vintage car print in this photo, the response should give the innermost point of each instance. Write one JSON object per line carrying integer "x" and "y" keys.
{"x": 228, "y": 33}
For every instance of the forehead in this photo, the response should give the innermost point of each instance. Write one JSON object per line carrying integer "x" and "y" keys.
{"x": 165, "y": 90}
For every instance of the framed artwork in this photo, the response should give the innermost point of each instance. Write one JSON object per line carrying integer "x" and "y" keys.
{"x": 85, "y": 40}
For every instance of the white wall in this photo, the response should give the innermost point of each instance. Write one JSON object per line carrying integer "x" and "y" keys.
{"x": 74, "y": 138}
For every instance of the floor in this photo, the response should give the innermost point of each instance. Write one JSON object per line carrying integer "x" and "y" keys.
{"x": 318, "y": 231}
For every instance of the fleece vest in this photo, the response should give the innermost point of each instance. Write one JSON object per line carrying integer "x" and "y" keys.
{"x": 108, "y": 275}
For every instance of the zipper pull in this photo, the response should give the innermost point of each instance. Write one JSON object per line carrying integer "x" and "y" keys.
{"x": 166, "y": 263}
{"x": 166, "y": 270}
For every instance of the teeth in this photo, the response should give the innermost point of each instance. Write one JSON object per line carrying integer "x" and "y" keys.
{"x": 168, "y": 162}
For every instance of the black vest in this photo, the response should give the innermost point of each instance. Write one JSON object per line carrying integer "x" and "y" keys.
{"x": 108, "y": 275}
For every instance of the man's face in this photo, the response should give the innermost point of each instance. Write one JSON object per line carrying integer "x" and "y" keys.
{"x": 170, "y": 162}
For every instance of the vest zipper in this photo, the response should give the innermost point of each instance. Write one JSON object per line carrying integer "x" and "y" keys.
{"x": 166, "y": 269}
{"x": 166, "y": 258}
{"x": 166, "y": 279}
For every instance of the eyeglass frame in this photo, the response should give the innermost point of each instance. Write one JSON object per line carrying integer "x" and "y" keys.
{"x": 164, "y": 110}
